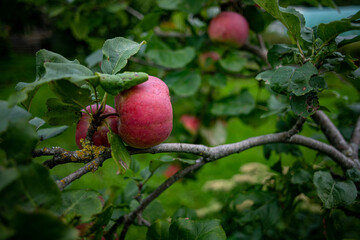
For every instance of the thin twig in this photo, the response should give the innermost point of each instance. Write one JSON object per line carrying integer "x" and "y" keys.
{"x": 170, "y": 181}
{"x": 296, "y": 128}
{"x": 89, "y": 167}
{"x": 135, "y": 13}
{"x": 256, "y": 50}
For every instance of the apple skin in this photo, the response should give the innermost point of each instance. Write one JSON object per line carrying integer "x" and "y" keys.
{"x": 171, "y": 170}
{"x": 100, "y": 136}
{"x": 146, "y": 117}
{"x": 206, "y": 65}
{"x": 191, "y": 123}
{"x": 230, "y": 28}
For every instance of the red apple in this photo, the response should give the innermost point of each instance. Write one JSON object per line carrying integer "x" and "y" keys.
{"x": 229, "y": 27}
{"x": 207, "y": 59}
{"x": 100, "y": 136}
{"x": 145, "y": 113}
{"x": 171, "y": 170}
{"x": 191, "y": 123}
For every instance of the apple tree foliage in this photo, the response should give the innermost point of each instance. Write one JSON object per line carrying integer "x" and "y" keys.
{"x": 306, "y": 198}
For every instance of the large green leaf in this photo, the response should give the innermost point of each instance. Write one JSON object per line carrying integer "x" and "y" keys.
{"x": 70, "y": 93}
{"x": 292, "y": 19}
{"x": 38, "y": 186}
{"x": 242, "y": 103}
{"x": 329, "y": 31}
{"x": 234, "y": 61}
{"x": 172, "y": 58}
{"x": 184, "y": 83}
{"x": 282, "y": 54}
{"x": 159, "y": 230}
{"x": 7, "y": 176}
{"x": 72, "y": 72}
{"x": 305, "y": 105}
{"x": 59, "y": 113}
{"x": 116, "y": 52}
{"x": 44, "y": 56}
{"x": 15, "y": 131}
{"x": 42, "y": 225}
{"x": 285, "y": 80}
{"x": 119, "y": 152}
{"x": 117, "y": 83}
{"x": 334, "y": 193}
{"x": 186, "y": 229}
{"x": 84, "y": 203}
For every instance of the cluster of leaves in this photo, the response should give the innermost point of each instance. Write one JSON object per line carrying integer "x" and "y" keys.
{"x": 286, "y": 205}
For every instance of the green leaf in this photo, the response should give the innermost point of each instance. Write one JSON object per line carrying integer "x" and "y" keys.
{"x": 184, "y": 83}
{"x": 70, "y": 93}
{"x": 73, "y": 72}
{"x": 7, "y": 176}
{"x": 59, "y": 113}
{"x": 288, "y": 79}
{"x": 353, "y": 174}
{"x": 184, "y": 212}
{"x": 38, "y": 185}
{"x": 115, "y": 84}
{"x": 42, "y": 225}
{"x": 265, "y": 76}
{"x": 94, "y": 58}
{"x": 186, "y": 229}
{"x": 154, "y": 211}
{"x": 242, "y": 103}
{"x": 282, "y": 54}
{"x": 47, "y": 133}
{"x": 257, "y": 23}
{"x": 116, "y": 52}
{"x": 276, "y": 105}
{"x": 300, "y": 176}
{"x": 76, "y": 73}
{"x": 84, "y": 203}
{"x": 119, "y": 152}
{"x": 234, "y": 61}
{"x": 344, "y": 40}
{"x": 304, "y": 106}
{"x": 100, "y": 220}
{"x": 159, "y": 230}
{"x": 168, "y": 4}
{"x": 329, "y": 31}
{"x": 80, "y": 27}
{"x": 217, "y": 80}
{"x": 36, "y": 122}
{"x": 187, "y": 6}
{"x": 292, "y": 19}
{"x": 16, "y": 131}
{"x": 44, "y": 56}
{"x": 334, "y": 193}
{"x": 172, "y": 58}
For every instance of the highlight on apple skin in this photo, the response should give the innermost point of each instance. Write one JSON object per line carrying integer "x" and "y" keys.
{"x": 100, "y": 136}
{"x": 146, "y": 116}
{"x": 230, "y": 28}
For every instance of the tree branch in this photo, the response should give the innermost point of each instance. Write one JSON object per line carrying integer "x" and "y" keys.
{"x": 89, "y": 167}
{"x": 355, "y": 140}
{"x": 332, "y": 133}
{"x": 257, "y": 51}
